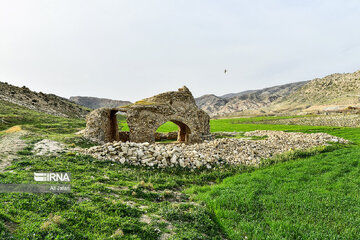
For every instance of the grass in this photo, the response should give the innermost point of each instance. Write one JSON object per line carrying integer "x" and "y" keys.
{"x": 14, "y": 118}
{"x": 298, "y": 195}
{"x": 142, "y": 102}
{"x": 13, "y": 129}
{"x": 312, "y": 198}
{"x": 236, "y": 124}
{"x": 106, "y": 198}
{"x": 166, "y": 127}
{"x": 13, "y": 115}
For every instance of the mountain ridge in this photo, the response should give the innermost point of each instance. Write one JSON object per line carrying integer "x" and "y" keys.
{"x": 94, "y": 102}
{"x": 337, "y": 90}
{"x": 333, "y": 92}
{"x": 246, "y": 100}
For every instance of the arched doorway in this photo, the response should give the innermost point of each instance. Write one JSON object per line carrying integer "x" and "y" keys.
{"x": 118, "y": 129}
{"x": 183, "y": 132}
{"x": 166, "y": 131}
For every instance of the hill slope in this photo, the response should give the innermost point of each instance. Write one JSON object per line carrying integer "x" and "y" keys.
{"x": 334, "y": 91}
{"x": 93, "y": 102}
{"x": 47, "y": 103}
{"x": 247, "y": 100}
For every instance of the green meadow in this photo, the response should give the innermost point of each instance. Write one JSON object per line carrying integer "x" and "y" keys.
{"x": 301, "y": 195}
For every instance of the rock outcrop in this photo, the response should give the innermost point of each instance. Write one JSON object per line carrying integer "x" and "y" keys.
{"x": 145, "y": 116}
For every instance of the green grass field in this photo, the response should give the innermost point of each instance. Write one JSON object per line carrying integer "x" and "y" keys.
{"x": 226, "y": 125}
{"x": 309, "y": 197}
{"x": 313, "y": 198}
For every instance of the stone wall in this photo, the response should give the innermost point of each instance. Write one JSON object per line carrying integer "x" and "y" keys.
{"x": 146, "y": 116}
{"x": 102, "y": 126}
{"x": 159, "y": 136}
{"x": 179, "y": 107}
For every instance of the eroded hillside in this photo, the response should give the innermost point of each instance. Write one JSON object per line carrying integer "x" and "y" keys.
{"x": 46, "y": 103}
{"x": 245, "y": 101}
{"x": 333, "y": 92}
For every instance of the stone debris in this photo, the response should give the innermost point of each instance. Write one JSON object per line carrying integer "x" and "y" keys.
{"x": 10, "y": 144}
{"x": 210, "y": 153}
{"x": 335, "y": 120}
{"x": 226, "y": 134}
{"x": 48, "y": 147}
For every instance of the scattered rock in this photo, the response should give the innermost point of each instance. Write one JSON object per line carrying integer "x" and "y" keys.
{"x": 211, "y": 153}
{"x": 336, "y": 120}
{"x": 48, "y": 147}
{"x": 145, "y": 219}
{"x": 10, "y": 143}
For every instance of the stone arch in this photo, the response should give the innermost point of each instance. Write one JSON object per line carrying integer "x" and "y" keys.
{"x": 145, "y": 116}
{"x": 184, "y": 130}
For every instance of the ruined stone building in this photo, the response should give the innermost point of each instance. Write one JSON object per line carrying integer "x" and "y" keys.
{"x": 145, "y": 116}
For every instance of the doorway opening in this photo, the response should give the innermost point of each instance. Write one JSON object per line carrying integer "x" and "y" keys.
{"x": 172, "y": 131}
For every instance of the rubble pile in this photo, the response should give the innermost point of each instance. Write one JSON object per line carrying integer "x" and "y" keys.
{"x": 211, "y": 153}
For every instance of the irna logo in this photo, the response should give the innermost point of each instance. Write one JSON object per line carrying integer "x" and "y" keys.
{"x": 52, "y": 177}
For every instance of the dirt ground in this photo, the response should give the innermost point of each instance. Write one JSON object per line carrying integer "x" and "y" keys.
{"x": 10, "y": 144}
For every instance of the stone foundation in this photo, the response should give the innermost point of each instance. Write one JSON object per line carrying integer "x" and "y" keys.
{"x": 166, "y": 136}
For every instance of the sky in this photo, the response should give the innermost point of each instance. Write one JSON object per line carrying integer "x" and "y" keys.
{"x": 132, "y": 49}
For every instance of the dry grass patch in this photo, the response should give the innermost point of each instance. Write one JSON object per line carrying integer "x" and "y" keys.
{"x": 13, "y": 129}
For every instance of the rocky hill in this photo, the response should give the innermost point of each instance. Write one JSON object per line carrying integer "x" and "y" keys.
{"x": 333, "y": 92}
{"x": 47, "y": 103}
{"x": 231, "y": 95}
{"x": 94, "y": 103}
{"x": 246, "y": 101}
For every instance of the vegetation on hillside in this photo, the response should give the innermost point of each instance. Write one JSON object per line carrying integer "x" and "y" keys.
{"x": 341, "y": 89}
{"x": 42, "y": 102}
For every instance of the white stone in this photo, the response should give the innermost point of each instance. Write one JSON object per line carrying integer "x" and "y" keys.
{"x": 173, "y": 159}
{"x": 140, "y": 153}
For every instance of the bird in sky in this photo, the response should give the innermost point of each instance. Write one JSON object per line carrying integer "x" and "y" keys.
{"x": 225, "y": 71}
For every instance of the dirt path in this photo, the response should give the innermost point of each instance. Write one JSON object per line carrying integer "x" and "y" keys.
{"x": 10, "y": 143}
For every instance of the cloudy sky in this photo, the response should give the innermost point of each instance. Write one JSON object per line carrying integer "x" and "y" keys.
{"x": 131, "y": 49}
